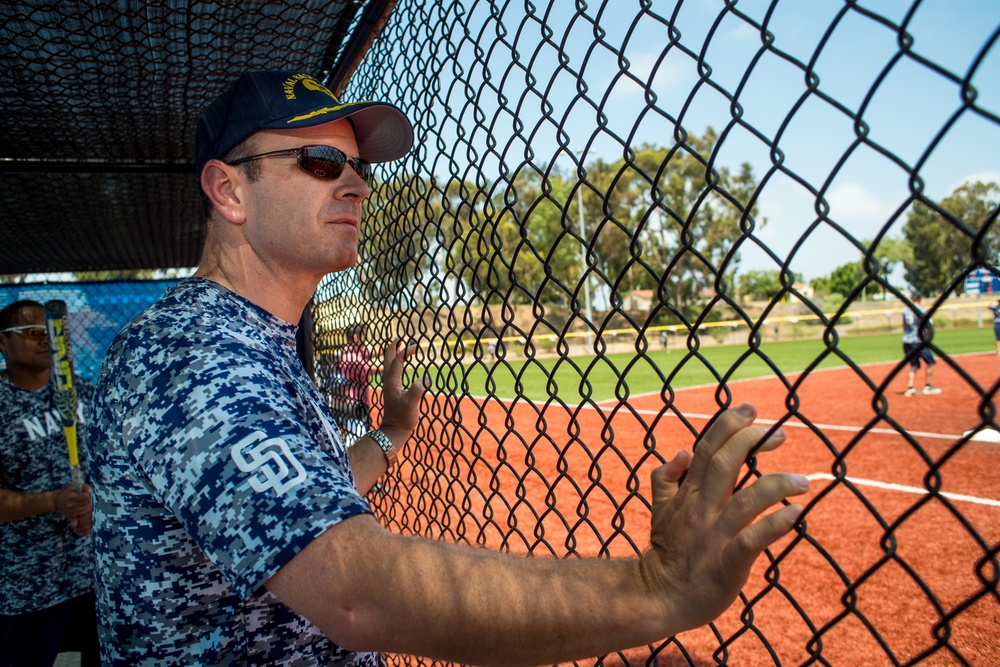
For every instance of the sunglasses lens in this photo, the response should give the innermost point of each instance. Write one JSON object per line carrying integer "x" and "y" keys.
{"x": 364, "y": 170}
{"x": 32, "y": 333}
{"x": 323, "y": 161}
{"x": 328, "y": 162}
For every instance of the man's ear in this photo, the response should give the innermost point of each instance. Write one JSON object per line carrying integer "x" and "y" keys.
{"x": 220, "y": 183}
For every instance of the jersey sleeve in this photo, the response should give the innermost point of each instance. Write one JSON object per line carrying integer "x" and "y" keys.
{"x": 243, "y": 455}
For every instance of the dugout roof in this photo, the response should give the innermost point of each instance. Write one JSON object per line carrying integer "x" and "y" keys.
{"x": 100, "y": 101}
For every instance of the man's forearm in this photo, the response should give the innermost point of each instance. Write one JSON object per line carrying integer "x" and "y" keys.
{"x": 15, "y": 505}
{"x": 511, "y": 610}
{"x": 368, "y": 589}
{"x": 474, "y": 606}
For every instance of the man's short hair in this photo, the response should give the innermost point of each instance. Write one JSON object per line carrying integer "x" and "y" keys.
{"x": 10, "y": 313}
{"x": 251, "y": 169}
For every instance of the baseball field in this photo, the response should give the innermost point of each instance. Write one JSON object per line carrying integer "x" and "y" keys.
{"x": 895, "y": 561}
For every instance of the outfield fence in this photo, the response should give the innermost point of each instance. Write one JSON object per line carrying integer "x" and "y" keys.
{"x": 559, "y": 170}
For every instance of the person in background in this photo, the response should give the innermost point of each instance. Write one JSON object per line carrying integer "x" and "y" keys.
{"x": 355, "y": 366}
{"x": 47, "y": 586}
{"x": 231, "y": 524}
{"x": 916, "y": 350}
{"x": 995, "y": 307}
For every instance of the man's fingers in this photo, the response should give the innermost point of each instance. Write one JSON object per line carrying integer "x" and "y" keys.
{"x": 81, "y": 526}
{"x": 402, "y": 404}
{"x": 723, "y": 470}
{"x": 417, "y": 389}
{"x": 70, "y": 503}
{"x": 666, "y": 478}
{"x": 749, "y": 503}
{"x": 728, "y": 424}
{"x": 389, "y": 357}
{"x": 395, "y": 357}
{"x": 762, "y": 534}
{"x": 392, "y": 373}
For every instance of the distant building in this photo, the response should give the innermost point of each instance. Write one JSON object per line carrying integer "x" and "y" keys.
{"x": 805, "y": 289}
{"x": 640, "y": 299}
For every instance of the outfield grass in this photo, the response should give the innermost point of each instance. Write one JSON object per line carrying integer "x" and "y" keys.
{"x": 609, "y": 375}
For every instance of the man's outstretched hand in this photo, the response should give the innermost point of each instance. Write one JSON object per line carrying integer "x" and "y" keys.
{"x": 402, "y": 404}
{"x": 705, "y": 537}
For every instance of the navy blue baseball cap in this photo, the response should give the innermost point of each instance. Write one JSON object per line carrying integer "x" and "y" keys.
{"x": 271, "y": 100}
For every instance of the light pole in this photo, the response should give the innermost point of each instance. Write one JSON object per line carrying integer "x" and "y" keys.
{"x": 583, "y": 254}
{"x": 885, "y": 274}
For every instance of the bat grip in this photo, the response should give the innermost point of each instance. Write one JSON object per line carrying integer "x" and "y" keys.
{"x": 74, "y": 457}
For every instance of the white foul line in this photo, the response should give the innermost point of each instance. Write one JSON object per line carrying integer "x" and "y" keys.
{"x": 907, "y": 489}
{"x": 820, "y": 427}
{"x": 857, "y": 481}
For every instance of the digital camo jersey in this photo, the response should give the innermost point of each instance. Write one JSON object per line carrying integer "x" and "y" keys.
{"x": 215, "y": 461}
{"x": 42, "y": 561}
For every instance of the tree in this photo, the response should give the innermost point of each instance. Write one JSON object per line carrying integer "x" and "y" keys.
{"x": 760, "y": 285}
{"x": 953, "y": 236}
{"x": 413, "y": 240}
{"x": 662, "y": 218}
{"x": 518, "y": 243}
{"x": 844, "y": 279}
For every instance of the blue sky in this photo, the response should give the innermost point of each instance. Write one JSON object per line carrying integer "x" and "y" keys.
{"x": 905, "y": 113}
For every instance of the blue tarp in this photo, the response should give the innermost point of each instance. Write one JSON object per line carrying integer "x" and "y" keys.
{"x": 97, "y": 312}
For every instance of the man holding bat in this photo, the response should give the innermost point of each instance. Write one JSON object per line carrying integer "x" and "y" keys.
{"x": 46, "y": 587}
{"x": 230, "y": 520}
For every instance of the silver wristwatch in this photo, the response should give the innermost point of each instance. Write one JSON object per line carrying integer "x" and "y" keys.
{"x": 385, "y": 443}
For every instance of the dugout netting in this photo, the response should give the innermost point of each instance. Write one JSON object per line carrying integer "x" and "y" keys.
{"x": 564, "y": 258}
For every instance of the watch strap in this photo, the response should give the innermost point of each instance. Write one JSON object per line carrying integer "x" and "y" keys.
{"x": 385, "y": 443}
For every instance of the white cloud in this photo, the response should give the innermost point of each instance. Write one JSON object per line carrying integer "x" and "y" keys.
{"x": 790, "y": 210}
{"x": 668, "y": 76}
{"x": 744, "y": 33}
{"x": 852, "y": 205}
{"x": 987, "y": 176}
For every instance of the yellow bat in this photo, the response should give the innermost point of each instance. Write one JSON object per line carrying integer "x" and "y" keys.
{"x": 57, "y": 328}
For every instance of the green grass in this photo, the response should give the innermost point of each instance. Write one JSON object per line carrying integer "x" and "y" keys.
{"x": 608, "y": 376}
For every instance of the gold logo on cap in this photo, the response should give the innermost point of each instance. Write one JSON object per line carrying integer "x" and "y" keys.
{"x": 313, "y": 84}
{"x": 324, "y": 110}
{"x": 308, "y": 82}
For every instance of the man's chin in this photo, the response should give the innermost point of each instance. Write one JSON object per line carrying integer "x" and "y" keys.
{"x": 343, "y": 264}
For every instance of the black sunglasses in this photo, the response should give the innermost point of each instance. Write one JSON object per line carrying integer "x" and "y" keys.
{"x": 324, "y": 162}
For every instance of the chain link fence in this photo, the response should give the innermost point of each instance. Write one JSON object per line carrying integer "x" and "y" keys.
{"x": 565, "y": 243}
{"x": 578, "y": 243}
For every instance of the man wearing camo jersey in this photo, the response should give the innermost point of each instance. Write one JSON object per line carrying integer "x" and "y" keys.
{"x": 230, "y": 519}
{"x": 46, "y": 585}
